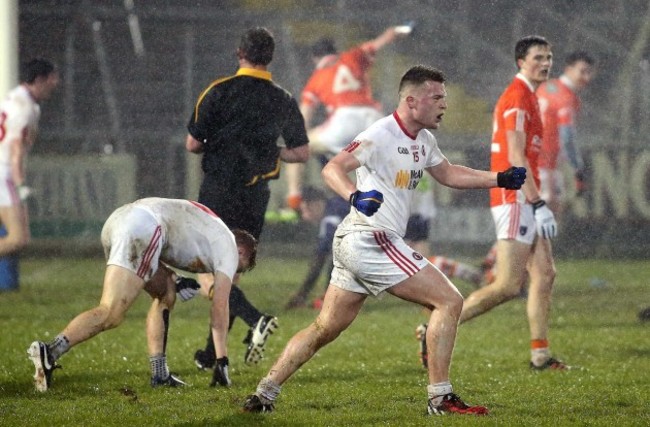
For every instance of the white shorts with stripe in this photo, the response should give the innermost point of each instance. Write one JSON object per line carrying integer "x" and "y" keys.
{"x": 514, "y": 221}
{"x": 133, "y": 239}
{"x": 8, "y": 193}
{"x": 369, "y": 262}
{"x": 551, "y": 185}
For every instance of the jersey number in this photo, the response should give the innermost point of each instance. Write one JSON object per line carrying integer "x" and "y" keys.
{"x": 344, "y": 80}
{"x": 3, "y": 129}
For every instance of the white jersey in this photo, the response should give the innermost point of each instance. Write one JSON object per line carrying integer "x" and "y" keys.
{"x": 183, "y": 234}
{"x": 19, "y": 116}
{"x": 392, "y": 162}
{"x": 424, "y": 203}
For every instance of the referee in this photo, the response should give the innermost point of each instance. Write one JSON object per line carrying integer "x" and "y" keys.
{"x": 236, "y": 124}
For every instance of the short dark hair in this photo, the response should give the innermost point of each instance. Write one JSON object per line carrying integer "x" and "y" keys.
{"x": 249, "y": 243}
{"x": 419, "y": 74}
{"x": 313, "y": 194}
{"x": 579, "y": 55}
{"x": 525, "y": 43}
{"x": 257, "y": 46}
{"x": 37, "y": 67}
{"x": 322, "y": 47}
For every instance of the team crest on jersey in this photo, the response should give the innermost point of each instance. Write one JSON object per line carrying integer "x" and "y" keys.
{"x": 417, "y": 256}
{"x": 352, "y": 146}
{"x": 402, "y": 150}
{"x": 523, "y": 230}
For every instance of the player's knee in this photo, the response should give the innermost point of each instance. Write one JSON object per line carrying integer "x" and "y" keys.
{"x": 455, "y": 304}
{"x": 112, "y": 318}
{"x": 324, "y": 333}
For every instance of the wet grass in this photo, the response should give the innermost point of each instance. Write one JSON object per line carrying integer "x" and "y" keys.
{"x": 369, "y": 376}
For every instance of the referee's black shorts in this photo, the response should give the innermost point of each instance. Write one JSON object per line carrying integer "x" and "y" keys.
{"x": 238, "y": 206}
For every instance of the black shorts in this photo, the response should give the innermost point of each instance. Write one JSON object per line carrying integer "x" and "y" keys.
{"x": 417, "y": 228}
{"x": 238, "y": 206}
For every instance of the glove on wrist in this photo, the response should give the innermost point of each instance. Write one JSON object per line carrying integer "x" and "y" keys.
{"x": 512, "y": 178}
{"x": 367, "y": 202}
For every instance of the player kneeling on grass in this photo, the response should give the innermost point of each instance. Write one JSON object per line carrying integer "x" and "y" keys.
{"x": 137, "y": 239}
{"x": 370, "y": 255}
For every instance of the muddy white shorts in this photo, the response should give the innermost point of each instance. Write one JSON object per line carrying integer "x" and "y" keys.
{"x": 341, "y": 128}
{"x": 369, "y": 262}
{"x": 133, "y": 239}
{"x": 514, "y": 221}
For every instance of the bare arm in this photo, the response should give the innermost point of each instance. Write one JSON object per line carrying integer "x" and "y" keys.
{"x": 220, "y": 314}
{"x": 295, "y": 155}
{"x": 193, "y": 145}
{"x": 517, "y": 157}
{"x": 335, "y": 174}
{"x": 458, "y": 176}
{"x": 385, "y": 38}
{"x": 18, "y": 150}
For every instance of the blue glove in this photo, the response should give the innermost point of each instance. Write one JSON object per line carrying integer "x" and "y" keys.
{"x": 367, "y": 202}
{"x": 511, "y": 179}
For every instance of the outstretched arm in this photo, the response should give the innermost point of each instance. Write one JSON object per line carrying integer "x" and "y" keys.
{"x": 458, "y": 176}
{"x": 385, "y": 38}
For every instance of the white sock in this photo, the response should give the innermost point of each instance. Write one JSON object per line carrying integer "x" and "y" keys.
{"x": 267, "y": 390}
{"x": 437, "y": 391}
{"x": 59, "y": 346}
{"x": 158, "y": 366}
{"x": 539, "y": 356}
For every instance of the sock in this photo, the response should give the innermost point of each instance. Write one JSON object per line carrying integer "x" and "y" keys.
{"x": 437, "y": 391}
{"x": 539, "y": 352}
{"x": 446, "y": 265}
{"x": 267, "y": 390}
{"x": 241, "y": 307}
{"x": 58, "y": 347}
{"x": 159, "y": 367}
{"x": 469, "y": 273}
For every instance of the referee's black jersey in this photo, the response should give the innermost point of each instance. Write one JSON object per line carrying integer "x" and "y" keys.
{"x": 239, "y": 119}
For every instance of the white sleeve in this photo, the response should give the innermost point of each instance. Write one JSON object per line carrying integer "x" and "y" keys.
{"x": 434, "y": 155}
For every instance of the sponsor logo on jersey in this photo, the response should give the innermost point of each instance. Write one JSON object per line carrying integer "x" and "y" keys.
{"x": 523, "y": 230}
{"x": 352, "y": 146}
{"x": 402, "y": 150}
{"x": 408, "y": 179}
{"x": 417, "y": 256}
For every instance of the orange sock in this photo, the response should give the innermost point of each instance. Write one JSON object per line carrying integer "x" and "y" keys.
{"x": 537, "y": 344}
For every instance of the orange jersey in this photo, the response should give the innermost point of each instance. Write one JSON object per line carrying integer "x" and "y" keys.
{"x": 343, "y": 82}
{"x": 559, "y": 105}
{"x": 517, "y": 110}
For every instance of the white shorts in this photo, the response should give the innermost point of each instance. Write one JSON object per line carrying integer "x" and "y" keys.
{"x": 341, "y": 128}
{"x": 133, "y": 239}
{"x": 8, "y": 193}
{"x": 369, "y": 262}
{"x": 515, "y": 221}
{"x": 551, "y": 185}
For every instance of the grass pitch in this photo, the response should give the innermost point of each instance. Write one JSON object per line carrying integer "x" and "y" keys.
{"x": 369, "y": 376}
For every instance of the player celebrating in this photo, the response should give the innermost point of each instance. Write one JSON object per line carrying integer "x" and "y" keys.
{"x": 559, "y": 104}
{"x": 370, "y": 255}
{"x": 524, "y": 223}
{"x": 137, "y": 239}
{"x": 340, "y": 83}
{"x": 19, "y": 115}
